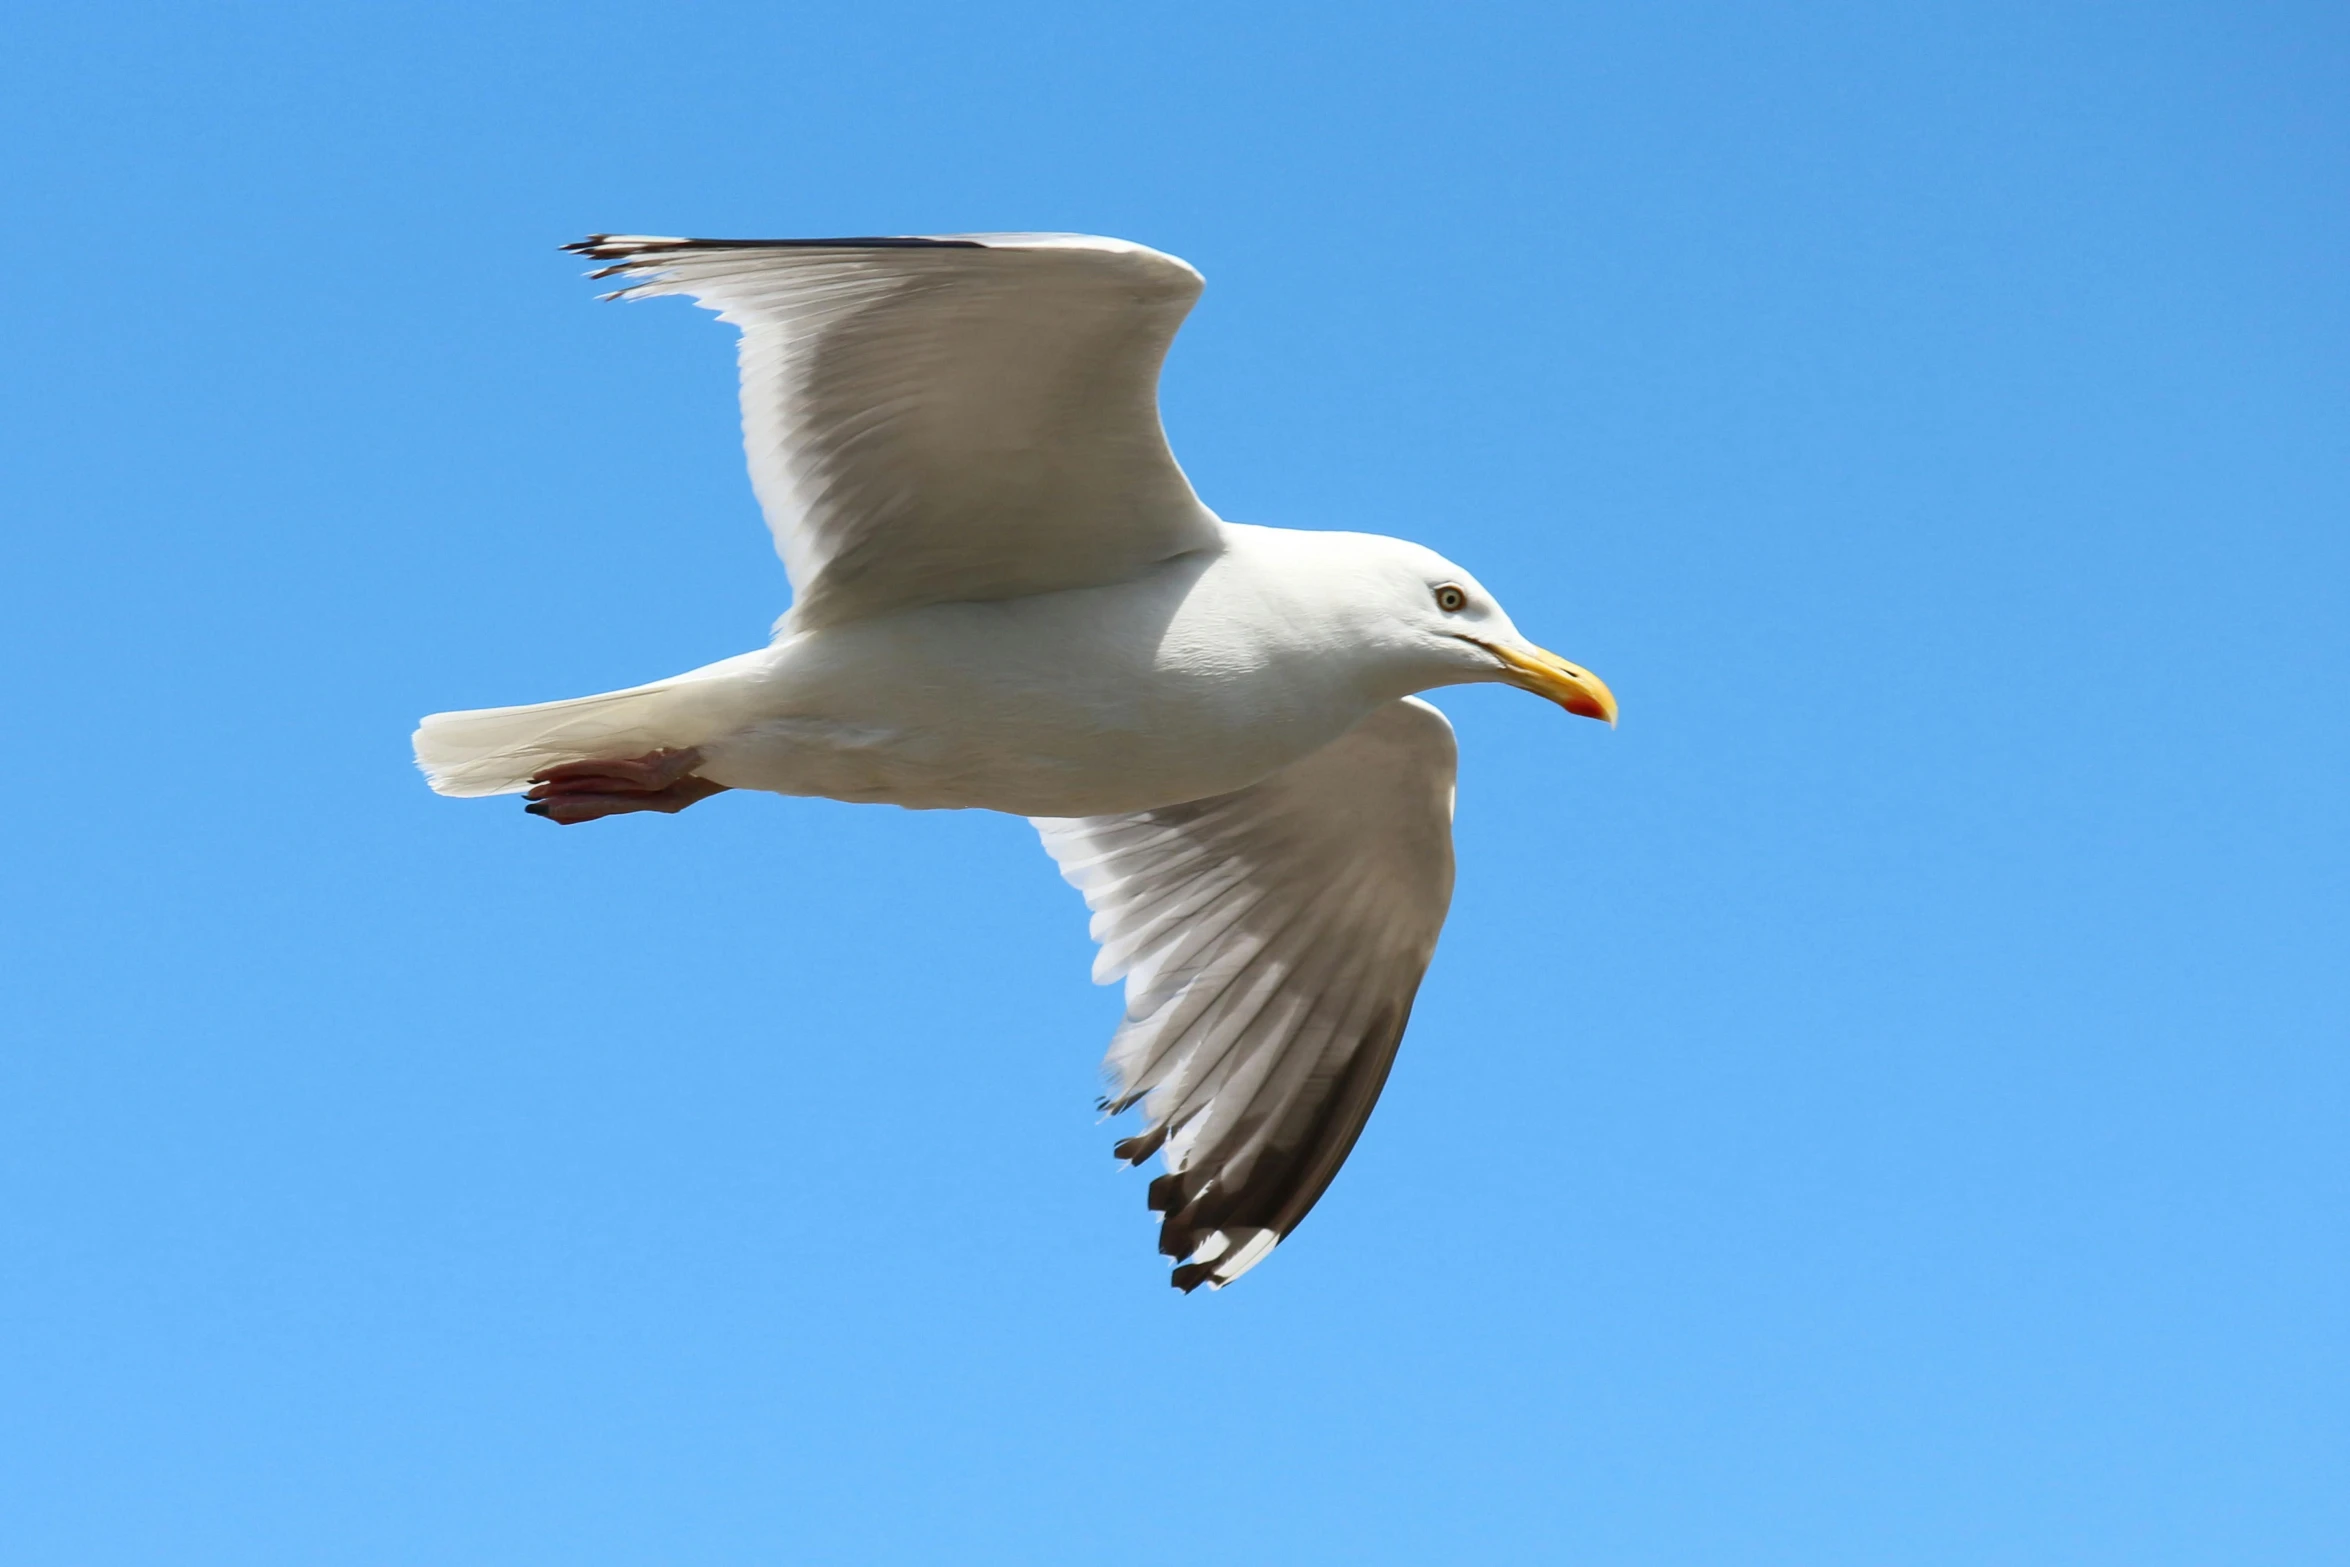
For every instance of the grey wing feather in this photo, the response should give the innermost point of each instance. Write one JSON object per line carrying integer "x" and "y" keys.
{"x": 953, "y": 417}
{"x": 1272, "y": 941}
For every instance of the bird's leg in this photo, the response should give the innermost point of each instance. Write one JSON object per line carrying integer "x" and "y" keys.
{"x": 656, "y": 781}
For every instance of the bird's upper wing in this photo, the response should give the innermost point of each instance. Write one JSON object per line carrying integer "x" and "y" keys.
{"x": 1272, "y": 940}
{"x": 945, "y": 418}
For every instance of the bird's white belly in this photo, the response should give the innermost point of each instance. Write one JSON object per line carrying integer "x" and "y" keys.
{"x": 1001, "y": 757}
{"x": 1035, "y": 707}
{"x": 926, "y": 769}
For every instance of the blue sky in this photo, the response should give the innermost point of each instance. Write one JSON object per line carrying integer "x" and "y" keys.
{"x": 1884, "y": 1105}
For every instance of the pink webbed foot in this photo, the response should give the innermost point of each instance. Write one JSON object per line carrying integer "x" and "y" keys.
{"x": 582, "y": 791}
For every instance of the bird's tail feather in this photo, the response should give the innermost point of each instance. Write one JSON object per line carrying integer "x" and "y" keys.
{"x": 497, "y": 750}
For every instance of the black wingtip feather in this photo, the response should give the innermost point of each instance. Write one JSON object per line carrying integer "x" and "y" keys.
{"x": 1138, "y": 1148}
{"x": 1166, "y": 1195}
{"x": 1288, "y": 1180}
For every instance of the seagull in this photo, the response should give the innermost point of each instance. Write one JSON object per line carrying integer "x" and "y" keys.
{"x": 1006, "y": 597}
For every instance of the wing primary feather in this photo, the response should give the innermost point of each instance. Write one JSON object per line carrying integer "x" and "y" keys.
{"x": 1272, "y": 941}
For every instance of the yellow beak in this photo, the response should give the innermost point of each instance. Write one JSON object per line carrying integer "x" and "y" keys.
{"x": 1571, "y": 686}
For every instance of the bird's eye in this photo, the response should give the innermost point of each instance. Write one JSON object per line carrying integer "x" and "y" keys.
{"x": 1452, "y": 600}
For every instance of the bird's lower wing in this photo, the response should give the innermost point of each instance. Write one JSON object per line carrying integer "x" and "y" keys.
{"x": 1271, "y": 941}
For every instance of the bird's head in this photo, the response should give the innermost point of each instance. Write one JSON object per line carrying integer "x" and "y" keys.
{"x": 1441, "y": 628}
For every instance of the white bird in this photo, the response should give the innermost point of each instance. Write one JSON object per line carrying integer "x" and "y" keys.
{"x": 1007, "y": 597}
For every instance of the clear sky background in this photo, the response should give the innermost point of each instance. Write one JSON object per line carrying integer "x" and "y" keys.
{"x": 1884, "y": 1105}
